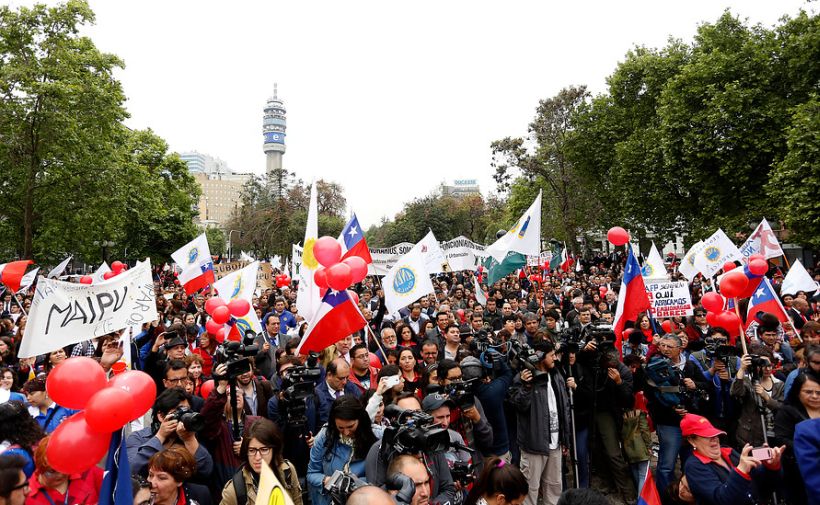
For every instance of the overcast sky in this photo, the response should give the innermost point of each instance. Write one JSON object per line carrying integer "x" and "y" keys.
{"x": 387, "y": 98}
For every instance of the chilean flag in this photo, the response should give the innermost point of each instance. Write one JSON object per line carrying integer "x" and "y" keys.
{"x": 764, "y": 299}
{"x": 337, "y": 317}
{"x": 353, "y": 242}
{"x": 11, "y": 274}
{"x": 632, "y": 299}
{"x": 194, "y": 258}
{"x": 649, "y": 490}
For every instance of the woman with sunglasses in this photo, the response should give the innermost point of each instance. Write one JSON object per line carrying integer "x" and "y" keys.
{"x": 262, "y": 442}
{"x": 51, "y": 487}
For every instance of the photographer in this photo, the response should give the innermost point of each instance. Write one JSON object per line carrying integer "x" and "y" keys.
{"x": 674, "y": 386}
{"x": 439, "y": 408}
{"x": 468, "y": 416}
{"x": 543, "y": 421}
{"x": 167, "y": 430}
{"x": 167, "y": 346}
{"x": 719, "y": 363}
{"x": 611, "y": 396}
{"x": 760, "y": 395}
{"x": 493, "y": 383}
{"x": 415, "y": 471}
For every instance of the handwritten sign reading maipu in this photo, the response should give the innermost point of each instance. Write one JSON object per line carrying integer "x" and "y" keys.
{"x": 63, "y": 313}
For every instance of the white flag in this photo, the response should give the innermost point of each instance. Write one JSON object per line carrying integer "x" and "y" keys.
{"x": 798, "y": 279}
{"x": 309, "y": 299}
{"x": 407, "y": 281}
{"x": 434, "y": 258}
{"x": 240, "y": 285}
{"x": 276, "y": 262}
{"x": 480, "y": 295}
{"x": 653, "y": 266}
{"x": 717, "y": 250}
{"x": 99, "y": 274}
{"x": 243, "y": 256}
{"x": 64, "y": 313}
{"x": 59, "y": 269}
{"x": 28, "y": 280}
{"x": 524, "y": 237}
{"x": 762, "y": 241}
{"x": 687, "y": 265}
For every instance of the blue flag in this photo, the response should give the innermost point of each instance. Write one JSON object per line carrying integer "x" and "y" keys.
{"x": 116, "y": 486}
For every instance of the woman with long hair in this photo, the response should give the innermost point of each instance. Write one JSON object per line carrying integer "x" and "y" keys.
{"x": 206, "y": 350}
{"x": 342, "y": 444}
{"x": 19, "y": 433}
{"x": 54, "y": 358}
{"x": 262, "y": 442}
{"x": 410, "y": 370}
{"x": 407, "y": 337}
{"x": 7, "y": 355}
{"x": 500, "y": 483}
{"x": 802, "y": 403}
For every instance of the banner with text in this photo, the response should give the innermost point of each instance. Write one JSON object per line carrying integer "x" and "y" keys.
{"x": 264, "y": 278}
{"x": 669, "y": 299}
{"x": 63, "y": 313}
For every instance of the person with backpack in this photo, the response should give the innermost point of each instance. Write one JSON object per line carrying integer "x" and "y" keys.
{"x": 262, "y": 442}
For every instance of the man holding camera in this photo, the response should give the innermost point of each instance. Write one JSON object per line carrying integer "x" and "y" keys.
{"x": 543, "y": 420}
{"x": 415, "y": 470}
{"x": 467, "y": 417}
{"x": 719, "y": 363}
{"x": 171, "y": 412}
{"x": 440, "y": 407}
{"x": 172, "y": 345}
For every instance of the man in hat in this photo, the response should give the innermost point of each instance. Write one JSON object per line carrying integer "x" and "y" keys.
{"x": 167, "y": 346}
{"x": 440, "y": 407}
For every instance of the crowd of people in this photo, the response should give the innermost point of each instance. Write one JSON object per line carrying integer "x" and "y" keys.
{"x": 526, "y": 399}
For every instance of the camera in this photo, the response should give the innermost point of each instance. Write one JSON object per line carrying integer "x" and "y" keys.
{"x": 463, "y": 473}
{"x": 297, "y": 386}
{"x": 523, "y": 357}
{"x": 235, "y": 355}
{"x": 413, "y": 432}
{"x": 341, "y": 485}
{"x": 757, "y": 366}
{"x": 461, "y": 392}
{"x": 667, "y": 379}
{"x": 192, "y": 421}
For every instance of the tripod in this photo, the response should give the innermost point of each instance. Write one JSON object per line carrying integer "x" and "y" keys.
{"x": 572, "y": 426}
{"x": 761, "y": 409}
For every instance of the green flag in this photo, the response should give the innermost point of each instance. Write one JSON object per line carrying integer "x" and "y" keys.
{"x": 496, "y": 270}
{"x": 555, "y": 262}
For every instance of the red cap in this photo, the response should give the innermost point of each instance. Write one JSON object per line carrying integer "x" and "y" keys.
{"x": 693, "y": 424}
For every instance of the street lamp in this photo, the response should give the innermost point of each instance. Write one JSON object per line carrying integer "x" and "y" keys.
{"x": 230, "y": 243}
{"x": 104, "y": 244}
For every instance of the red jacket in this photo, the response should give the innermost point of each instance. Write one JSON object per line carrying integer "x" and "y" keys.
{"x": 83, "y": 489}
{"x": 374, "y": 381}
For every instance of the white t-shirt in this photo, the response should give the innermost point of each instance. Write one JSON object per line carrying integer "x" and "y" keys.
{"x": 552, "y": 403}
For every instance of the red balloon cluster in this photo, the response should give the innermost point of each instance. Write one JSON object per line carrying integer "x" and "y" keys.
{"x": 282, "y": 280}
{"x": 221, "y": 313}
{"x": 335, "y": 273}
{"x": 536, "y": 278}
{"x": 117, "y": 268}
{"x": 617, "y": 236}
{"x": 79, "y": 383}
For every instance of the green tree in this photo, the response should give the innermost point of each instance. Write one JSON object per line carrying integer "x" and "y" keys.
{"x": 60, "y": 124}
{"x": 217, "y": 242}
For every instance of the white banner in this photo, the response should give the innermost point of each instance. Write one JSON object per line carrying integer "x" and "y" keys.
{"x": 669, "y": 299}
{"x": 63, "y": 313}
{"x": 462, "y": 253}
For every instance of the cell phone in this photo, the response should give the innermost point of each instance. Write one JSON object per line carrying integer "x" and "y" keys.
{"x": 762, "y": 453}
{"x": 392, "y": 380}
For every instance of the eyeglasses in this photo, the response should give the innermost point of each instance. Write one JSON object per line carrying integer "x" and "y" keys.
{"x": 24, "y": 485}
{"x": 179, "y": 380}
{"x": 262, "y": 451}
{"x": 363, "y": 355}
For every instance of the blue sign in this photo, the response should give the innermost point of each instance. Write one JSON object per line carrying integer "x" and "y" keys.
{"x": 274, "y": 138}
{"x": 405, "y": 281}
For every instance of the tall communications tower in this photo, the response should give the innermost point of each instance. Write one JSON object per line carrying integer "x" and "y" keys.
{"x": 274, "y": 124}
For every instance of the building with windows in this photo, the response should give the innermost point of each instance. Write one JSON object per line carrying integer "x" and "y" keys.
{"x": 274, "y": 124}
{"x": 221, "y": 187}
{"x": 461, "y": 188}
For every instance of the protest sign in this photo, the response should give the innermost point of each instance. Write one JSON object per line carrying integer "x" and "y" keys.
{"x": 462, "y": 253}
{"x": 63, "y": 313}
{"x": 669, "y": 299}
{"x": 264, "y": 277}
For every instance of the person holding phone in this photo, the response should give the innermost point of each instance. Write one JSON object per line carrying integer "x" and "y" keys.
{"x": 721, "y": 475}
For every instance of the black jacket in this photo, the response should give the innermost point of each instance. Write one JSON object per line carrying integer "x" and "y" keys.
{"x": 531, "y": 402}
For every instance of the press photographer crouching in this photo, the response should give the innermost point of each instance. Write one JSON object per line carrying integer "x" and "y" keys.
{"x": 414, "y": 433}
{"x": 720, "y": 475}
{"x": 174, "y": 424}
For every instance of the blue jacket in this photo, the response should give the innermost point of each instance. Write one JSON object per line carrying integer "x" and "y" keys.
{"x": 325, "y": 399}
{"x": 60, "y": 414}
{"x": 806, "y": 449}
{"x": 492, "y": 397}
{"x": 142, "y": 444}
{"x": 322, "y": 465}
{"x": 712, "y": 484}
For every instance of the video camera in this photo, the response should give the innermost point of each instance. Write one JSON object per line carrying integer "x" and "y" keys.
{"x": 412, "y": 432}
{"x": 342, "y": 484}
{"x": 297, "y": 386}
{"x": 235, "y": 355}
{"x": 756, "y": 367}
{"x": 667, "y": 379}
{"x": 464, "y": 473}
{"x": 461, "y": 392}
{"x": 523, "y": 357}
{"x": 574, "y": 339}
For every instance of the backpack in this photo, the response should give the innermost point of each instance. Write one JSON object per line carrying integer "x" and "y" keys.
{"x": 666, "y": 381}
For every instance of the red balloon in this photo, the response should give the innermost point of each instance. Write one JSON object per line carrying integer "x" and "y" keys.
{"x": 756, "y": 256}
{"x": 729, "y": 265}
{"x": 117, "y": 267}
{"x": 221, "y": 315}
{"x": 74, "y": 381}
{"x": 212, "y": 326}
{"x": 733, "y": 284}
{"x": 320, "y": 277}
{"x": 358, "y": 268}
{"x": 712, "y": 302}
{"x": 603, "y": 290}
{"x": 74, "y": 447}
{"x": 617, "y": 236}
{"x": 339, "y": 276}
{"x": 206, "y": 388}
{"x": 711, "y": 318}
{"x": 728, "y": 321}
{"x": 86, "y": 279}
{"x": 176, "y": 282}
{"x": 142, "y": 388}
{"x": 108, "y": 275}
{"x": 758, "y": 266}
{"x": 213, "y": 303}
{"x": 667, "y": 326}
{"x": 327, "y": 251}
{"x": 353, "y": 296}
{"x": 239, "y": 307}
{"x": 374, "y": 361}
{"x": 219, "y": 336}
{"x": 108, "y": 410}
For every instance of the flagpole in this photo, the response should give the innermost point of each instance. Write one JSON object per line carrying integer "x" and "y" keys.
{"x": 740, "y": 325}
{"x": 14, "y": 296}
